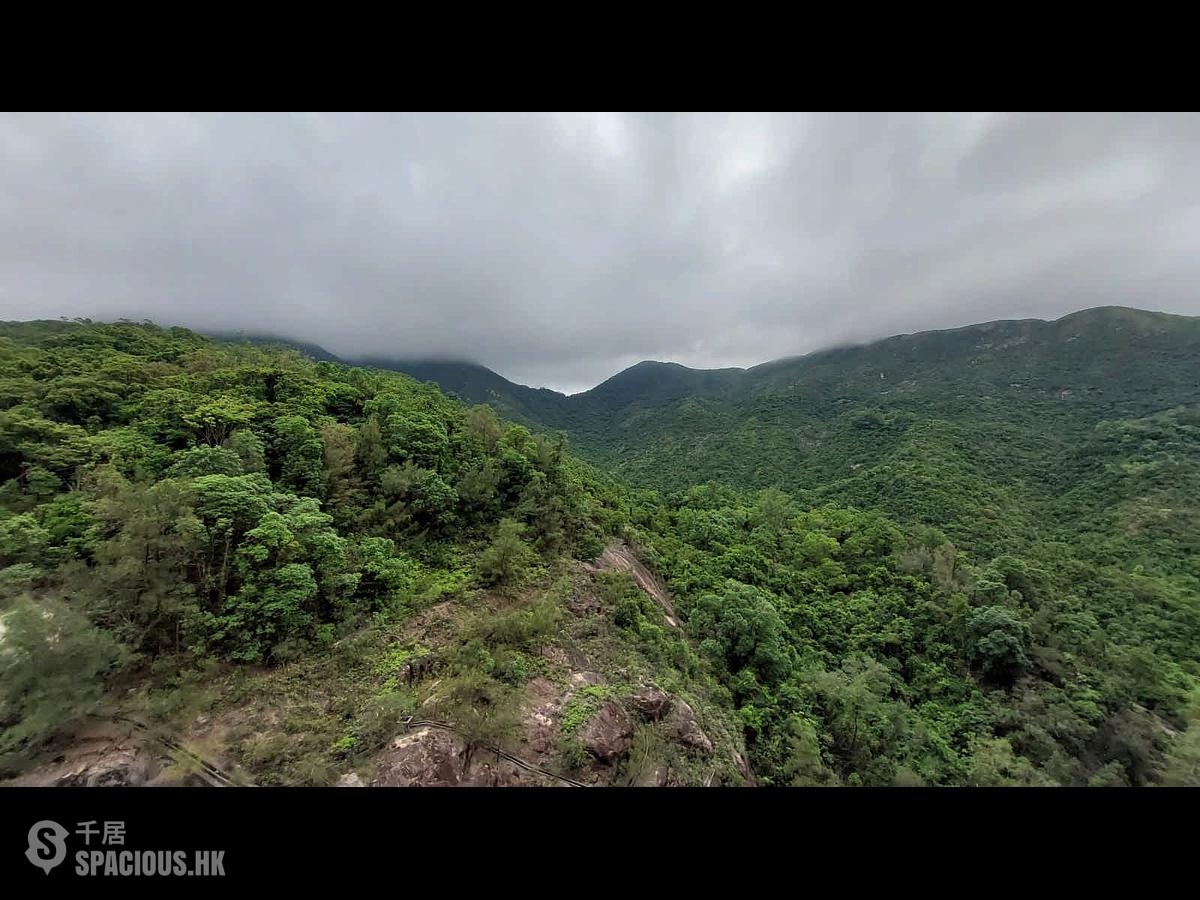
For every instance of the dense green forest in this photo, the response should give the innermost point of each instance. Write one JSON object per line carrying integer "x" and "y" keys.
{"x": 1069, "y": 449}
{"x": 968, "y": 557}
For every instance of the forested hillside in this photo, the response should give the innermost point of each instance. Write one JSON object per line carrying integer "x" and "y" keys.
{"x": 961, "y": 558}
{"x": 171, "y": 506}
{"x": 1070, "y": 447}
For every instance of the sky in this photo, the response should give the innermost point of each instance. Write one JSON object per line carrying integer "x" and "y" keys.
{"x": 559, "y": 249}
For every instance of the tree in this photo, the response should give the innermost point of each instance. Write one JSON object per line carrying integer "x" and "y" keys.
{"x": 994, "y": 764}
{"x": 742, "y": 628}
{"x": 147, "y": 539}
{"x": 804, "y": 766}
{"x": 215, "y": 419}
{"x": 1183, "y": 756}
{"x": 292, "y": 574}
{"x": 478, "y": 489}
{"x": 481, "y": 422}
{"x": 516, "y": 472}
{"x": 226, "y": 508}
{"x": 249, "y": 448}
{"x": 421, "y": 499}
{"x": 81, "y": 399}
{"x": 416, "y": 437}
{"x": 22, "y": 540}
{"x": 343, "y": 486}
{"x": 998, "y": 643}
{"x": 548, "y": 453}
{"x": 205, "y": 460}
{"x": 299, "y": 455}
{"x": 866, "y": 726}
{"x": 773, "y": 510}
{"x": 507, "y": 557}
{"x": 387, "y": 574}
{"x": 370, "y": 453}
{"x": 53, "y": 665}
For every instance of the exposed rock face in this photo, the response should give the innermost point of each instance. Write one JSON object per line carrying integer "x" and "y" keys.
{"x": 432, "y": 757}
{"x": 428, "y": 756}
{"x": 104, "y": 755}
{"x": 608, "y": 734}
{"x": 121, "y": 767}
{"x": 689, "y": 730}
{"x": 651, "y": 703}
{"x": 540, "y": 719}
{"x": 350, "y": 780}
{"x": 620, "y": 557}
{"x": 743, "y": 767}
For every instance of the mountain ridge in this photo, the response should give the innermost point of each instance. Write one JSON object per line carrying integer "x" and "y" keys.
{"x": 477, "y": 383}
{"x": 445, "y": 367}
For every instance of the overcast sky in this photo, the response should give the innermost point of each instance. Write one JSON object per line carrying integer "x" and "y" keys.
{"x": 558, "y": 249}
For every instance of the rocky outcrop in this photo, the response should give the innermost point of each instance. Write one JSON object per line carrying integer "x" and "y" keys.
{"x": 651, "y": 703}
{"x": 620, "y": 558}
{"x": 120, "y": 767}
{"x": 428, "y": 756}
{"x": 103, "y": 755}
{"x": 743, "y": 767}
{"x": 587, "y": 679}
{"x": 540, "y": 717}
{"x": 608, "y": 734}
{"x": 433, "y": 757}
{"x": 688, "y": 729}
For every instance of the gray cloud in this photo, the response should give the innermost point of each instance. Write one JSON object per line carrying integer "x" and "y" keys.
{"x": 558, "y": 249}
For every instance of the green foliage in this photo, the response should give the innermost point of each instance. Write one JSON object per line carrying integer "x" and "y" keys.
{"x": 1182, "y": 768}
{"x": 507, "y": 557}
{"x": 997, "y": 642}
{"x": 1036, "y": 605}
{"x": 485, "y": 709}
{"x": 22, "y": 540}
{"x": 583, "y": 705}
{"x": 856, "y": 654}
{"x": 205, "y": 501}
{"x": 250, "y": 450}
{"x": 741, "y": 627}
{"x": 298, "y": 455}
{"x": 967, "y": 557}
{"x": 205, "y": 460}
{"x": 53, "y": 665}
{"x": 383, "y": 716}
{"x": 481, "y": 422}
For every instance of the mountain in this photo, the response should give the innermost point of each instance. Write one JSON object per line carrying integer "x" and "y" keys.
{"x": 968, "y": 557}
{"x": 654, "y": 383}
{"x": 1108, "y": 360}
{"x": 474, "y": 383}
{"x": 1006, "y": 398}
{"x": 958, "y": 428}
{"x": 261, "y": 339}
